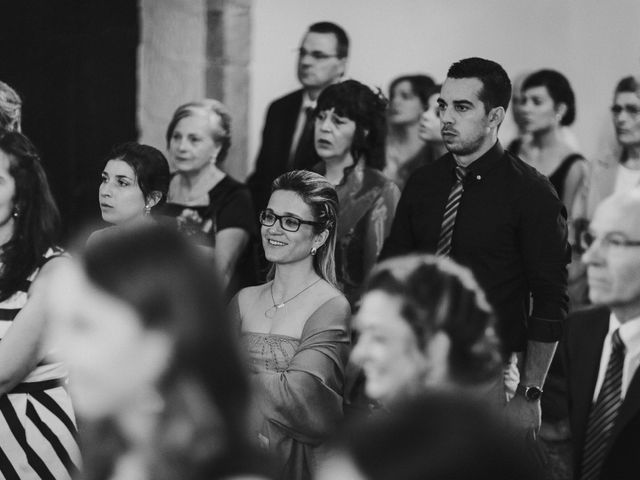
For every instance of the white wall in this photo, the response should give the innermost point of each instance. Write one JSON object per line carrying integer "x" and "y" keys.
{"x": 593, "y": 42}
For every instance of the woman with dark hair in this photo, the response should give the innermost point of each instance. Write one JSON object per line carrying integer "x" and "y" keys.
{"x": 429, "y": 130}
{"x": 154, "y": 365}
{"x": 135, "y": 179}
{"x": 547, "y": 104}
{"x": 295, "y": 326}
{"x": 206, "y": 202}
{"x": 37, "y": 423}
{"x": 405, "y": 148}
{"x": 349, "y": 138}
{"x": 424, "y": 322}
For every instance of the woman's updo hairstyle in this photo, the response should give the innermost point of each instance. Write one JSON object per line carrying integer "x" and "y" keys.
{"x": 437, "y": 294}
{"x": 211, "y": 108}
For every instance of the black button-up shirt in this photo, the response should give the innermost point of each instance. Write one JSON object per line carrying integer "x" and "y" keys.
{"x": 510, "y": 230}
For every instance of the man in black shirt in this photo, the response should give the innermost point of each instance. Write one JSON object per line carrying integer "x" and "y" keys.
{"x": 509, "y": 226}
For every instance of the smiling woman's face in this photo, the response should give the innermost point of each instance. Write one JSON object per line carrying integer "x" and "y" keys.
{"x": 281, "y": 246}
{"x": 387, "y": 348}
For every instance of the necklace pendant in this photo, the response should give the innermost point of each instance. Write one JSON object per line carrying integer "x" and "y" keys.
{"x": 279, "y": 306}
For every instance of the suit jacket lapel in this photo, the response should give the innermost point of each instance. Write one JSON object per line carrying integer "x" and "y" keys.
{"x": 587, "y": 345}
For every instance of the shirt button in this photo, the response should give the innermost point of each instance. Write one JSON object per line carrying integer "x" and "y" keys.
{"x": 478, "y": 177}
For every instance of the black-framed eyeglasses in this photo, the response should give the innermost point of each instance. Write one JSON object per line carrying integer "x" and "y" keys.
{"x": 315, "y": 54}
{"x": 613, "y": 239}
{"x": 287, "y": 222}
{"x": 633, "y": 110}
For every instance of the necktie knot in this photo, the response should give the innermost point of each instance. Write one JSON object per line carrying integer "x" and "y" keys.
{"x": 617, "y": 345}
{"x": 461, "y": 172}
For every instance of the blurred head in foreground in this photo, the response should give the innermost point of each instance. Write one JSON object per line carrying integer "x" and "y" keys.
{"x": 439, "y": 436}
{"x": 154, "y": 369}
{"x": 423, "y": 320}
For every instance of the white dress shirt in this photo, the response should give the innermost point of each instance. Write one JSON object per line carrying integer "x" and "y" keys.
{"x": 630, "y": 336}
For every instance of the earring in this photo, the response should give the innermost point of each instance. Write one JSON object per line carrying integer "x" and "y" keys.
{"x": 147, "y": 209}
{"x": 16, "y": 213}
{"x": 314, "y": 250}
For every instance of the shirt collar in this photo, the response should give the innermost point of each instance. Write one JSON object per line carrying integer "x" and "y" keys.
{"x": 307, "y": 102}
{"x": 629, "y": 331}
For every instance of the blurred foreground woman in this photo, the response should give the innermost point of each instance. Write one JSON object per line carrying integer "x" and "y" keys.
{"x": 37, "y": 424}
{"x": 153, "y": 364}
{"x": 424, "y": 323}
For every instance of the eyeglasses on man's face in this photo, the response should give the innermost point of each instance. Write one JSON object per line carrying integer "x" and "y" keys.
{"x": 287, "y": 222}
{"x": 315, "y": 54}
{"x": 613, "y": 239}
{"x": 632, "y": 110}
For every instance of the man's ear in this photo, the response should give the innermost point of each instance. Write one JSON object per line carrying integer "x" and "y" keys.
{"x": 496, "y": 116}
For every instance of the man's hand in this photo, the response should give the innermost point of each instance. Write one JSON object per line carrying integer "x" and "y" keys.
{"x": 524, "y": 413}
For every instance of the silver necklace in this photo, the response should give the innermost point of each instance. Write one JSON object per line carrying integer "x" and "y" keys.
{"x": 271, "y": 311}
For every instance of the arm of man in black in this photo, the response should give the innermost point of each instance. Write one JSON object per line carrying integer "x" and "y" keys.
{"x": 545, "y": 253}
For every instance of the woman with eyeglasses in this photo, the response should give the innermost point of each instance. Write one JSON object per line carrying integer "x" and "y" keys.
{"x": 618, "y": 171}
{"x": 350, "y": 133}
{"x": 295, "y": 326}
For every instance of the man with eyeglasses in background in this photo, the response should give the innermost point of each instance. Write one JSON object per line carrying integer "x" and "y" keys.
{"x": 601, "y": 345}
{"x": 620, "y": 170}
{"x": 287, "y": 136}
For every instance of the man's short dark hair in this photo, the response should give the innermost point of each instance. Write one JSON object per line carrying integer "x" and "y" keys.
{"x": 338, "y": 31}
{"x": 496, "y": 86}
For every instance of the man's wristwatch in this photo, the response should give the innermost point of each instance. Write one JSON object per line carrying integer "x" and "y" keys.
{"x": 530, "y": 392}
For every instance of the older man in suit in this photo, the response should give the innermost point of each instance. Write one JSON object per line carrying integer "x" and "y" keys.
{"x": 287, "y": 137}
{"x": 601, "y": 346}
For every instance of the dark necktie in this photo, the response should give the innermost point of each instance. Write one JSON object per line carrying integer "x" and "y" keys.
{"x": 306, "y": 138}
{"x": 450, "y": 212}
{"x": 604, "y": 412}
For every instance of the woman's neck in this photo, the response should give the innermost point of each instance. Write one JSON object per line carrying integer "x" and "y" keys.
{"x": 189, "y": 186}
{"x": 206, "y": 174}
{"x": 632, "y": 157}
{"x": 546, "y": 139}
{"x": 291, "y": 278}
{"x": 6, "y": 230}
{"x": 405, "y": 133}
{"x": 335, "y": 167}
{"x": 135, "y": 222}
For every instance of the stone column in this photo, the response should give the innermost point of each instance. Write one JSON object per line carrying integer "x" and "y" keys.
{"x": 227, "y": 72}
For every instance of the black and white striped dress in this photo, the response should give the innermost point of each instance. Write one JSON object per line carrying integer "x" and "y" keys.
{"x": 37, "y": 424}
